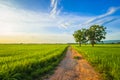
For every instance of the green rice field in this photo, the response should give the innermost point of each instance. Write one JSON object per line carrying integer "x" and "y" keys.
{"x": 28, "y": 61}
{"x": 33, "y": 61}
{"x": 105, "y": 58}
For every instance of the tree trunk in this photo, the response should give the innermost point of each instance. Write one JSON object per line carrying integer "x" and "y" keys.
{"x": 92, "y": 42}
{"x": 80, "y": 44}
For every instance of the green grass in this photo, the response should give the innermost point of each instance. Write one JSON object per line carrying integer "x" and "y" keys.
{"x": 105, "y": 58}
{"x": 28, "y": 61}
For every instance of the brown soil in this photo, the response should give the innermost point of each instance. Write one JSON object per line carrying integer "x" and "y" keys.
{"x": 74, "y": 69}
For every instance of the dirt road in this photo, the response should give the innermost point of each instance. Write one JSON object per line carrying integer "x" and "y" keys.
{"x": 74, "y": 69}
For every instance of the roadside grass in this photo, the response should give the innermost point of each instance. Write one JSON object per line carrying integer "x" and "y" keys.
{"x": 105, "y": 59}
{"x": 29, "y": 61}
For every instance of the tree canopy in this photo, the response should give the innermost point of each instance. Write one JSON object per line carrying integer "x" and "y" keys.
{"x": 78, "y": 36}
{"x": 94, "y": 34}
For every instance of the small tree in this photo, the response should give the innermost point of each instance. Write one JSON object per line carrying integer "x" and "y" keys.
{"x": 84, "y": 35}
{"x": 95, "y": 34}
{"x": 78, "y": 36}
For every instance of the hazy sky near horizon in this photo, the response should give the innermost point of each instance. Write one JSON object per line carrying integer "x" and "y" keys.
{"x": 55, "y": 21}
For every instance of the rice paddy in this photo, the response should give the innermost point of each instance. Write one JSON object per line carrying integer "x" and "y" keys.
{"x": 105, "y": 58}
{"x": 28, "y": 61}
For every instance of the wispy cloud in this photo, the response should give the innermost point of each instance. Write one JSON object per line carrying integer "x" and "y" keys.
{"x": 64, "y": 25}
{"x": 109, "y": 21}
{"x": 18, "y": 22}
{"x": 54, "y": 10}
{"x": 94, "y": 20}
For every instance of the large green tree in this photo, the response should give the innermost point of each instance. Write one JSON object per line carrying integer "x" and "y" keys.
{"x": 96, "y": 33}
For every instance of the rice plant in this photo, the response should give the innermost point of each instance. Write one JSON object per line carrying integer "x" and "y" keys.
{"x": 105, "y": 58}
{"x": 28, "y": 61}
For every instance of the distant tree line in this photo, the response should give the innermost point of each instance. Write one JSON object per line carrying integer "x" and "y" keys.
{"x": 93, "y": 35}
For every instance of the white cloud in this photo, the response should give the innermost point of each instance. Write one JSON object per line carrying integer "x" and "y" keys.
{"x": 13, "y": 20}
{"x": 17, "y": 22}
{"x": 93, "y": 20}
{"x": 96, "y": 19}
{"x": 28, "y": 25}
{"x": 54, "y": 11}
{"x": 109, "y": 20}
{"x": 110, "y": 11}
{"x": 20, "y": 20}
{"x": 65, "y": 25}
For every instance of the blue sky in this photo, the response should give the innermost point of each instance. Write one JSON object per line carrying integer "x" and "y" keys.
{"x": 52, "y": 21}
